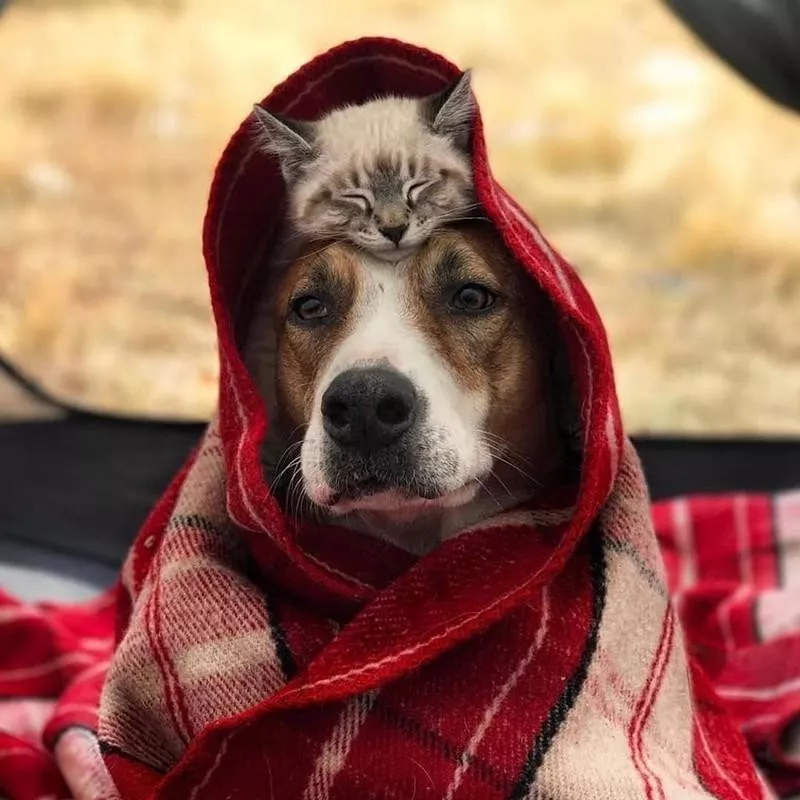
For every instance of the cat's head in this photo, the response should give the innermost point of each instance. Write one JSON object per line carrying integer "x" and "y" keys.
{"x": 384, "y": 174}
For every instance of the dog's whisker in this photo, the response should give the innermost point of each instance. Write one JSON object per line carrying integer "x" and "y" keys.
{"x": 503, "y": 457}
{"x": 509, "y": 463}
{"x": 295, "y": 496}
{"x": 293, "y": 464}
{"x": 273, "y": 468}
{"x": 502, "y": 483}
{"x": 289, "y": 448}
{"x": 504, "y": 448}
{"x": 489, "y": 492}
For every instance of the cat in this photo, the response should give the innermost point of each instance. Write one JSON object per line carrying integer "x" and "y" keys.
{"x": 384, "y": 174}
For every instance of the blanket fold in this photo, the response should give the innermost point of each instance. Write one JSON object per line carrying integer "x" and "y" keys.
{"x": 246, "y": 653}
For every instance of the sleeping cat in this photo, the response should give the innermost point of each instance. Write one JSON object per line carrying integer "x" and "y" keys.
{"x": 384, "y": 174}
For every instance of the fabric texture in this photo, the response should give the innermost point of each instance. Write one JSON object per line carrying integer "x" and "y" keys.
{"x": 245, "y": 654}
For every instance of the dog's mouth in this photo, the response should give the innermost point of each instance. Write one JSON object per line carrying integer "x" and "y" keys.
{"x": 399, "y": 503}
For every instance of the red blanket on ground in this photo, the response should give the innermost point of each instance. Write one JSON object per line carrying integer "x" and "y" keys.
{"x": 244, "y": 654}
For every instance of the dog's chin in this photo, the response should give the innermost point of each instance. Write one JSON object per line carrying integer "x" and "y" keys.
{"x": 395, "y": 506}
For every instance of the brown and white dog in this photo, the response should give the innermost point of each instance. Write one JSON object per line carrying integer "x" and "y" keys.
{"x": 408, "y": 400}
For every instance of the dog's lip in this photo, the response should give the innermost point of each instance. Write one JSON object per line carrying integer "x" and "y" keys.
{"x": 396, "y": 505}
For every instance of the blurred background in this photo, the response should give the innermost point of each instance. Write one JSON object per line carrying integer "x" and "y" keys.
{"x": 668, "y": 182}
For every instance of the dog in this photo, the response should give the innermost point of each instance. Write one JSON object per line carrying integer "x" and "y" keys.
{"x": 407, "y": 400}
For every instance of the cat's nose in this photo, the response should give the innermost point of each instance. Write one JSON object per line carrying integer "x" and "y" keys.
{"x": 394, "y": 233}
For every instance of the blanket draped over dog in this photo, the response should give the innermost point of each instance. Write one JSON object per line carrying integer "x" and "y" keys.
{"x": 247, "y": 655}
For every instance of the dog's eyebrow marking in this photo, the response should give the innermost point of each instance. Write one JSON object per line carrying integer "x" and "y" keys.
{"x": 451, "y": 266}
{"x": 322, "y": 277}
{"x": 318, "y": 274}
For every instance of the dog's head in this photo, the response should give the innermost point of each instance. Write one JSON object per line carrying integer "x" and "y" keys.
{"x": 412, "y": 385}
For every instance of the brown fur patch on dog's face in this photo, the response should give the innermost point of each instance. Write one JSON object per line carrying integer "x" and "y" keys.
{"x": 332, "y": 276}
{"x": 502, "y": 352}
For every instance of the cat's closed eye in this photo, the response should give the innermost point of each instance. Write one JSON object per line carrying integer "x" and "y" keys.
{"x": 359, "y": 199}
{"x": 415, "y": 189}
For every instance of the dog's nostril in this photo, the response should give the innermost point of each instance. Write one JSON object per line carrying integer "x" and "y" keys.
{"x": 392, "y": 410}
{"x": 337, "y": 413}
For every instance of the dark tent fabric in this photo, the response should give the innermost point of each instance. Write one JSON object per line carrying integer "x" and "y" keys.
{"x": 101, "y": 474}
{"x": 760, "y": 39}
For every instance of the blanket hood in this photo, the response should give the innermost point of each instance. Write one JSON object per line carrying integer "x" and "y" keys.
{"x": 246, "y": 207}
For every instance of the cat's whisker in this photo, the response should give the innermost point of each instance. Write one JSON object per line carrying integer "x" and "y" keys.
{"x": 471, "y": 210}
{"x": 328, "y": 244}
{"x": 465, "y": 219}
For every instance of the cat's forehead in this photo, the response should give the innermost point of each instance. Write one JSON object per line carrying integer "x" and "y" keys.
{"x": 385, "y": 125}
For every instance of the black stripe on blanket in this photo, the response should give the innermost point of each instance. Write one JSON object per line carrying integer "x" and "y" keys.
{"x": 197, "y": 521}
{"x": 107, "y": 749}
{"x": 558, "y": 713}
{"x": 435, "y": 742}
{"x": 283, "y": 651}
{"x": 285, "y": 657}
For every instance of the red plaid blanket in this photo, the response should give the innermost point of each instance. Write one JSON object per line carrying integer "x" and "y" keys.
{"x": 244, "y": 654}
{"x": 733, "y": 568}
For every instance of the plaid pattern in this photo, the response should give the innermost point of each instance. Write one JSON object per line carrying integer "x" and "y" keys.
{"x": 734, "y": 570}
{"x": 52, "y": 666}
{"x": 537, "y": 656}
{"x": 575, "y": 666}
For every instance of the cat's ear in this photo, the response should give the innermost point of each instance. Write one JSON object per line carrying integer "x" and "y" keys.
{"x": 450, "y": 111}
{"x": 292, "y": 141}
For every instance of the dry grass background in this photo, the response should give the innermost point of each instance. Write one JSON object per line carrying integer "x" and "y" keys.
{"x": 673, "y": 187}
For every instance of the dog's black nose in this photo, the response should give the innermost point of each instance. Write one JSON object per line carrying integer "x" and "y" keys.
{"x": 394, "y": 233}
{"x": 368, "y": 408}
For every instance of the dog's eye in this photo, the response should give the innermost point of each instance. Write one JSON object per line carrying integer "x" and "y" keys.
{"x": 414, "y": 190}
{"x": 473, "y": 297}
{"x": 309, "y": 308}
{"x": 361, "y": 200}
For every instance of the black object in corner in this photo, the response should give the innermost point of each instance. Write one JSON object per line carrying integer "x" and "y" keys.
{"x": 759, "y": 39}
